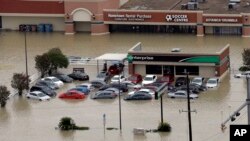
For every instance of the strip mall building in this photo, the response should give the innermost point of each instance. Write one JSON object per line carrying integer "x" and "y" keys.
{"x": 105, "y": 16}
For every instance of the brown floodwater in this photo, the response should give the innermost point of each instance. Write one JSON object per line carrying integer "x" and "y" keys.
{"x": 28, "y": 120}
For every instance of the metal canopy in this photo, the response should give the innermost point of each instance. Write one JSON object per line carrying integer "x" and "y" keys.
{"x": 112, "y": 57}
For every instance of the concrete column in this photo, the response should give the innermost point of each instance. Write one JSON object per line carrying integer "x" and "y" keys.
{"x": 69, "y": 28}
{"x": 200, "y": 30}
{"x": 131, "y": 69}
{"x": 246, "y": 25}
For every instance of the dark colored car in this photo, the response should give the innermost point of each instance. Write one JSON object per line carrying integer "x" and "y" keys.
{"x": 104, "y": 95}
{"x": 77, "y": 75}
{"x": 122, "y": 87}
{"x": 84, "y": 90}
{"x": 64, "y": 78}
{"x": 72, "y": 95}
{"x": 47, "y": 84}
{"x": 97, "y": 83}
{"x": 192, "y": 89}
{"x": 135, "y": 78}
{"x": 44, "y": 89}
{"x": 139, "y": 96}
{"x": 180, "y": 81}
{"x": 116, "y": 68}
{"x": 104, "y": 76}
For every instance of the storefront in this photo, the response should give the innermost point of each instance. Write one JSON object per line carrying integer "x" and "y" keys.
{"x": 159, "y": 21}
{"x": 222, "y": 24}
{"x": 176, "y": 21}
{"x": 176, "y": 63}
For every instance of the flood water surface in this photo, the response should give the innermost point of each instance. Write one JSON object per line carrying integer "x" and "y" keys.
{"x": 28, "y": 120}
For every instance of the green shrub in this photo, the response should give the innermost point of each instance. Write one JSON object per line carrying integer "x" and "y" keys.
{"x": 164, "y": 127}
{"x": 244, "y": 68}
{"x": 66, "y": 123}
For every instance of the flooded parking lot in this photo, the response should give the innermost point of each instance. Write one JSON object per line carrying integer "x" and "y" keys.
{"x": 28, "y": 120}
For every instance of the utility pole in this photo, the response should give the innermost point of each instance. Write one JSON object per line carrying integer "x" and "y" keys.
{"x": 25, "y": 50}
{"x": 236, "y": 112}
{"x": 120, "y": 115}
{"x": 189, "y": 109}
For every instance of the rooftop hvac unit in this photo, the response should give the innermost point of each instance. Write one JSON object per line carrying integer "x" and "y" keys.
{"x": 184, "y": 6}
{"x": 231, "y": 5}
{"x": 192, "y": 5}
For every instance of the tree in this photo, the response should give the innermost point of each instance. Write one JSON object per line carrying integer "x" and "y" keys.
{"x": 4, "y": 94}
{"x": 42, "y": 64}
{"x": 246, "y": 60}
{"x": 20, "y": 82}
{"x": 67, "y": 123}
{"x": 57, "y": 59}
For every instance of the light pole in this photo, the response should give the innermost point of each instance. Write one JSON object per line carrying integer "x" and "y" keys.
{"x": 189, "y": 110}
{"x": 26, "y": 58}
{"x": 120, "y": 114}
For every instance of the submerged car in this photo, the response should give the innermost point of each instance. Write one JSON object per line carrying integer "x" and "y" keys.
{"x": 180, "y": 81}
{"x": 197, "y": 80}
{"x": 64, "y": 78}
{"x": 139, "y": 96}
{"x": 104, "y": 95}
{"x": 54, "y": 80}
{"x": 97, "y": 83}
{"x": 135, "y": 78}
{"x": 146, "y": 91}
{"x": 212, "y": 83}
{"x": 117, "y": 79}
{"x": 83, "y": 90}
{"x": 148, "y": 79}
{"x": 242, "y": 75}
{"x": 46, "y": 90}
{"x": 72, "y": 95}
{"x": 103, "y": 76}
{"x": 37, "y": 95}
{"x": 182, "y": 94}
{"x": 51, "y": 85}
{"x": 77, "y": 75}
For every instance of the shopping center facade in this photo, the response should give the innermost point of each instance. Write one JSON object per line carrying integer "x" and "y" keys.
{"x": 105, "y": 16}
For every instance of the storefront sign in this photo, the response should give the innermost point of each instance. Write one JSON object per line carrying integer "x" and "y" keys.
{"x": 150, "y": 16}
{"x": 129, "y": 17}
{"x": 189, "y": 59}
{"x": 177, "y": 18}
{"x": 213, "y": 19}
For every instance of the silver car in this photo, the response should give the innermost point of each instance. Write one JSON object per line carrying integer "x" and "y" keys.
{"x": 104, "y": 95}
{"x": 181, "y": 94}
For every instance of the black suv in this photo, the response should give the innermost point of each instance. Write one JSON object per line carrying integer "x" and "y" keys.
{"x": 44, "y": 89}
{"x": 180, "y": 81}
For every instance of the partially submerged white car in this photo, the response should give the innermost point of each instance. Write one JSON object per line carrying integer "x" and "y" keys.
{"x": 212, "y": 83}
{"x": 242, "y": 75}
{"x": 37, "y": 95}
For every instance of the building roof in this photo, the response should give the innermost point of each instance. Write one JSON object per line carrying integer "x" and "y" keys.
{"x": 112, "y": 57}
{"x": 187, "y": 49}
{"x": 209, "y": 6}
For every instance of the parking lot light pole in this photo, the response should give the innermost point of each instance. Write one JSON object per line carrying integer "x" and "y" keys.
{"x": 26, "y": 58}
{"x": 189, "y": 109}
{"x": 120, "y": 114}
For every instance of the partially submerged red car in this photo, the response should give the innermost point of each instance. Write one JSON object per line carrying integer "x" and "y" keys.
{"x": 166, "y": 78}
{"x": 116, "y": 68}
{"x": 72, "y": 95}
{"x": 135, "y": 78}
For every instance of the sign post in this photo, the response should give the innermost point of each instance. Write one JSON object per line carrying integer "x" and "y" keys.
{"x": 104, "y": 122}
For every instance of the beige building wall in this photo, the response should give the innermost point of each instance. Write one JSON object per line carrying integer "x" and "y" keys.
{"x": 141, "y": 69}
{"x": 13, "y": 22}
{"x": 207, "y": 71}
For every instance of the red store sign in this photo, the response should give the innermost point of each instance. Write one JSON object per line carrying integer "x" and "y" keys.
{"x": 220, "y": 19}
{"x": 141, "y": 16}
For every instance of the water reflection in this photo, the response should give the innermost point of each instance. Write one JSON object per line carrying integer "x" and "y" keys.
{"x": 67, "y": 135}
{"x": 20, "y": 104}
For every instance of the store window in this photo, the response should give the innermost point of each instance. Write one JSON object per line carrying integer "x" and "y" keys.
{"x": 192, "y": 70}
{"x": 168, "y": 70}
{"x": 153, "y": 69}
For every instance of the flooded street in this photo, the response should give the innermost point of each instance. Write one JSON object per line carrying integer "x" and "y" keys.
{"x": 28, "y": 120}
